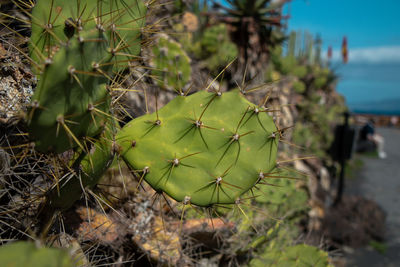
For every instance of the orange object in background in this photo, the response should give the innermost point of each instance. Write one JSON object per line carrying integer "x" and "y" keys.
{"x": 345, "y": 52}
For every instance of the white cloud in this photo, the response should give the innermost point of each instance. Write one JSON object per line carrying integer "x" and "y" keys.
{"x": 379, "y": 54}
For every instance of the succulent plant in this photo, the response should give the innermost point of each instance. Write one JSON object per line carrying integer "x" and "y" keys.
{"x": 299, "y": 256}
{"x": 218, "y": 47}
{"x": 199, "y": 150}
{"x": 254, "y": 25}
{"x": 55, "y": 22}
{"x": 88, "y": 169}
{"x": 213, "y": 37}
{"x": 74, "y": 47}
{"x": 67, "y": 104}
{"x": 299, "y": 87}
{"x": 171, "y": 64}
{"x": 280, "y": 187}
{"x": 21, "y": 254}
{"x": 78, "y": 49}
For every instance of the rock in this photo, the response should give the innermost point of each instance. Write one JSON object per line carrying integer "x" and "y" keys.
{"x": 354, "y": 222}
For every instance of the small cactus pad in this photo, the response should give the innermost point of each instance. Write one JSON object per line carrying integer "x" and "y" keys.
{"x": 71, "y": 99}
{"x": 171, "y": 64}
{"x": 214, "y": 36}
{"x": 203, "y": 149}
{"x": 25, "y": 254}
{"x": 56, "y": 21}
{"x": 217, "y": 47}
{"x": 293, "y": 256}
{"x": 280, "y": 186}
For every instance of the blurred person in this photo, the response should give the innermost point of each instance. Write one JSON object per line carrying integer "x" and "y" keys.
{"x": 370, "y": 140}
{"x": 393, "y": 121}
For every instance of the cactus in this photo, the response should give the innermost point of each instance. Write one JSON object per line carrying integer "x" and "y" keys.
{"x": 298, "y": 256}
{"x": 199, "y": 150}
{"x": 308, "y": 52}
{"x": 292, "y": 44}
{"x": 218, "y": 47}
{"x": 20, "y": 254}
{"x": 214, "y": 48}
{"x": 281, "y": 194}
{"x": 171, "y": 64}
{"x": 318, "y": 49}
{"x": 322, "y": 77}
{"x": 225, "y": 158}
{"x": 227, "y": 52}
{"x": 299, "y": 87}
{"x": 74, "y": 47}
{"x": 77, "y": 47}
{"x": 55, "y": 22}
{"x": 213, "y": 37}
{"x": 68, "y": 105}
{"x": 88, "y": 169}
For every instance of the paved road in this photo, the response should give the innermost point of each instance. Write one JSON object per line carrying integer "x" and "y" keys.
{"x": 379, "y": 180}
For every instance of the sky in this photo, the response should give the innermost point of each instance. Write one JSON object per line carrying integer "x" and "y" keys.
{"x": 372, "y": 27}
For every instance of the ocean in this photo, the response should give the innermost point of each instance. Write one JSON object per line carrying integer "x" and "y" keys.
{"x": 370, "y": 87}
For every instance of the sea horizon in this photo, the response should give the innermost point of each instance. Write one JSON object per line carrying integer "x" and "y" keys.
{"x": 370, "y": 88}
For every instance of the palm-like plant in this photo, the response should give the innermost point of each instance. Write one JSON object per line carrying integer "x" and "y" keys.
{"x": 254, "y": 26}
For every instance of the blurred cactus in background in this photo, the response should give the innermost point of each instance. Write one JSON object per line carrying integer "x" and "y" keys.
{"x": 217, "y": 47}
{"x": 28, "y": 254}
{"x": 171, "y": 64}
{"x": 255, "y": 30}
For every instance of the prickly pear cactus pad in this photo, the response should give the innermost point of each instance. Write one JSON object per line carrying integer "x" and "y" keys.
{"x": 74, "y": 47}
{"x": 171, "y": 64}
{"x": 56, "y": 21}
{"x": 25, "y": 254}
{"x": 68, "y": 102}
{"x": 202, "y": 149}
{"x": 90, "y": 168}
{"x": 293, "y": 256}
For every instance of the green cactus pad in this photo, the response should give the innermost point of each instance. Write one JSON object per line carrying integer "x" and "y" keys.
{"x": 171, "y": 64}
{"x": 299, "y": 87}
{"x": 54, "y": 22}
{"x": 89, "y": 168}
{"x": 294, "y": 256}
{"x": 26, "y": 254}
{"x": 213, "y": 37}
{"x": 69, "y": 102}
{"x": 280, "y": 186}
{"x": 218, "y": 47}
{"x": 202, "y": 149}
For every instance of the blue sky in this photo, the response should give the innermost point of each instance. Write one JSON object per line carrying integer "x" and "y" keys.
{"x": 371, "y": 26}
